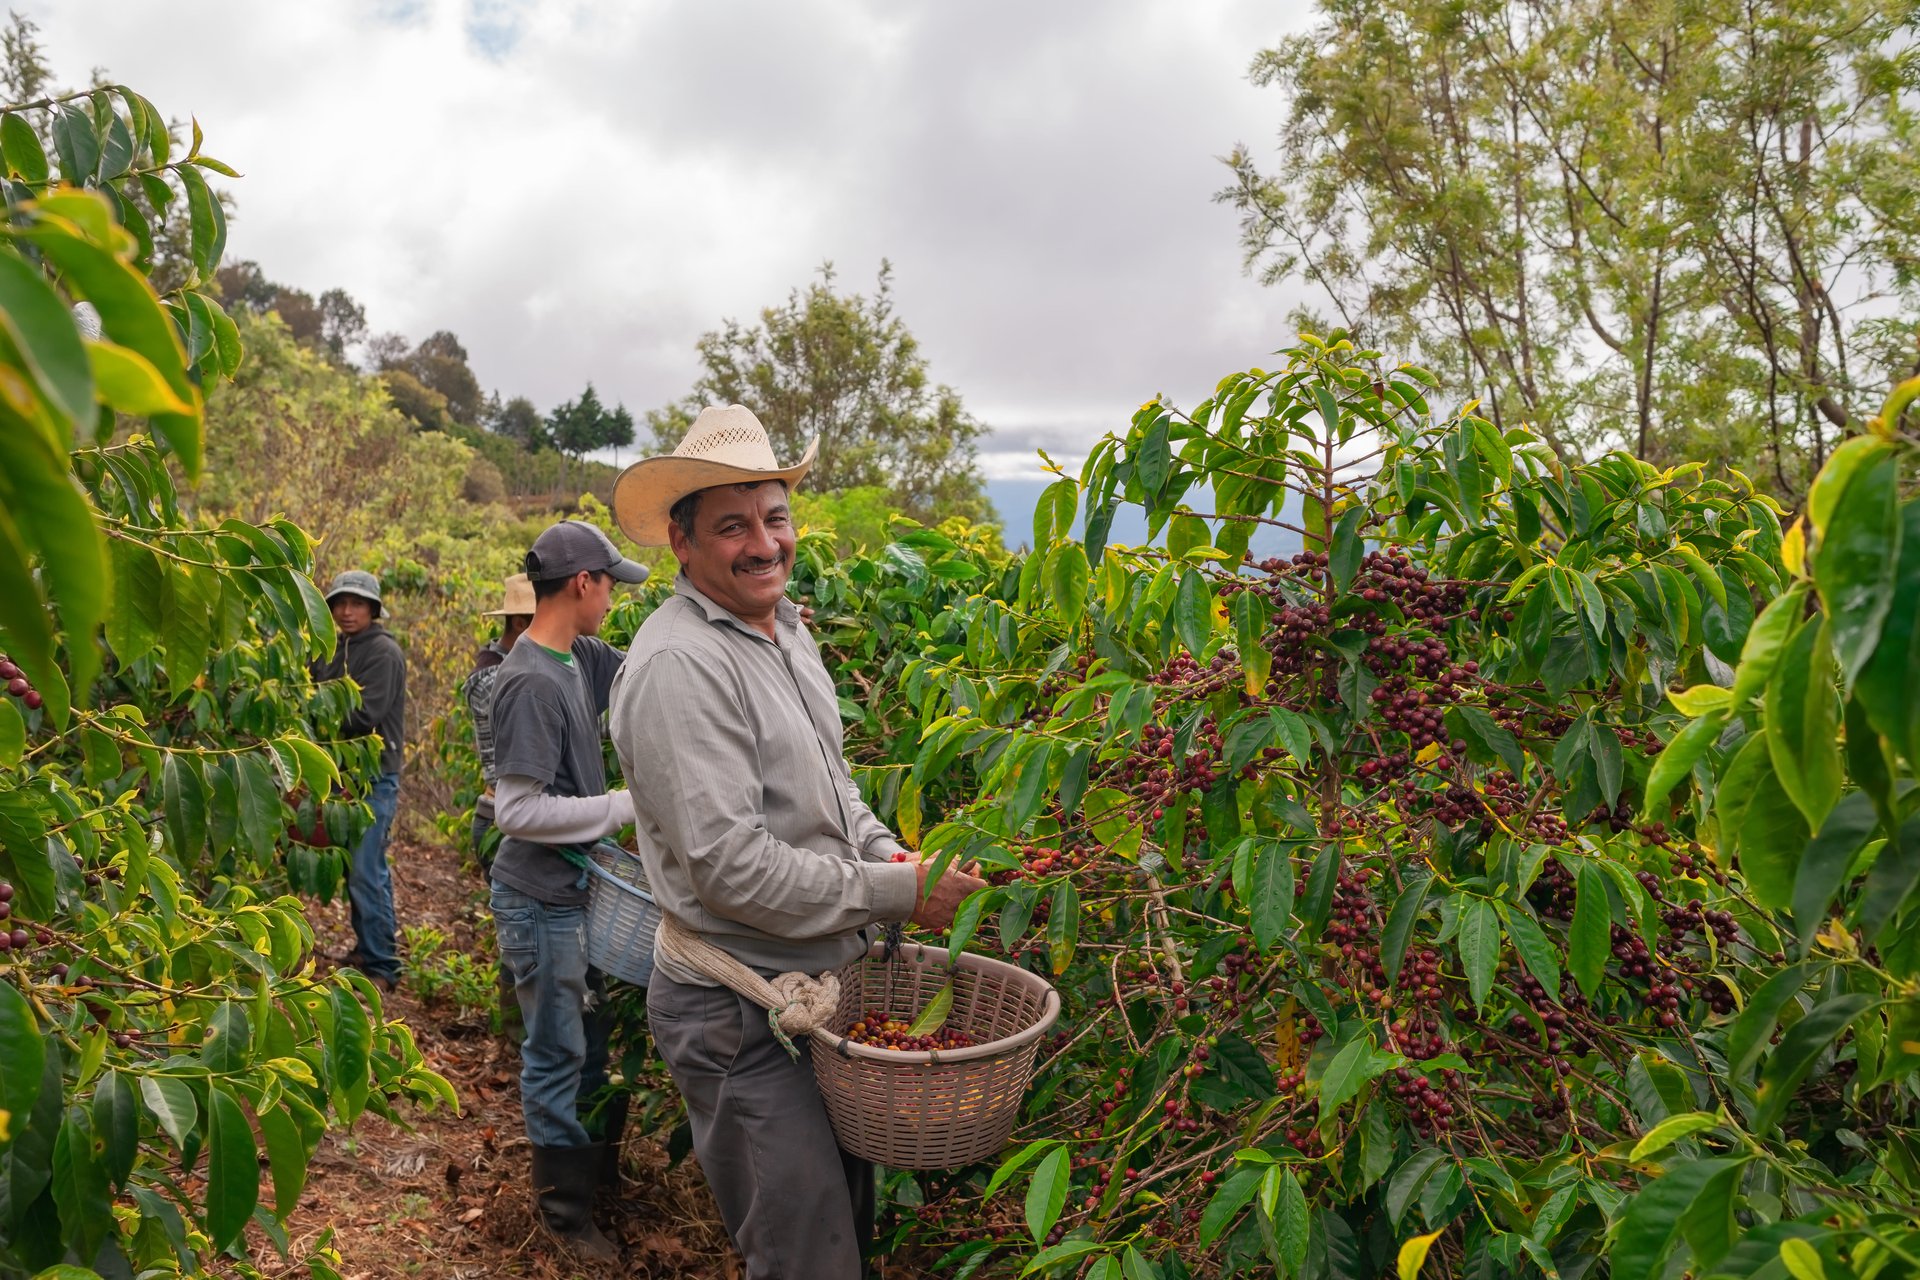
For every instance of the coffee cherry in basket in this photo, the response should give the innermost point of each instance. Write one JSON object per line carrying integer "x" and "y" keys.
{"x": 882, "y": 1032}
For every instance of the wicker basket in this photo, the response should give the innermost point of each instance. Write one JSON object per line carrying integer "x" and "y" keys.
{"x": 932, "y": 1109}
{"x": 621, "y": 915}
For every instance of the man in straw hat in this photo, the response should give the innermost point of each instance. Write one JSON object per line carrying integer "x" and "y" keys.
{"x": 369, "y": 654}
{"x": 551, "y": 800}
{"x": 754, "y": 837}
{"x": 515, "y": 614}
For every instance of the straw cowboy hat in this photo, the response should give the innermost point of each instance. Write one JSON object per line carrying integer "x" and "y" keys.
{"x": 518, "y": 599}
{"x": 724, "y": 446}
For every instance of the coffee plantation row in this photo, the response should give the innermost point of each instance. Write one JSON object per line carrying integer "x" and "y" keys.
{"x": 1518, "y": 880}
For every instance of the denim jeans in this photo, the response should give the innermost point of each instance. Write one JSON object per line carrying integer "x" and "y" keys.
{"x": 370, "y": 885}
{"x": 563, "y": 1061}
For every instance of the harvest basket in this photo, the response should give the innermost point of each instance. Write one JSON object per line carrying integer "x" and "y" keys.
{"x": 932, "y": 1109}
{"x": 621, "y": 915}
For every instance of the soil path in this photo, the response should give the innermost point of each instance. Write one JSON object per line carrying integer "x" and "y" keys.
{"x": 448, "y": 1196}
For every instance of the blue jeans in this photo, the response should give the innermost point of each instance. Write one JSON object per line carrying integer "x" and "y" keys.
{"x": 563, "y": 1061}
{"x": 370, "y": 886}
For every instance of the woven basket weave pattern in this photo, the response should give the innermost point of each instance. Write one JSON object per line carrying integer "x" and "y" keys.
{"x": 932, "y": 1110}
{"x": 621, "y": 916}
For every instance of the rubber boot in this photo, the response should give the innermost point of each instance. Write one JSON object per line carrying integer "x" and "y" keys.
{"x": 563, "y": 1183}
{"x": 613, "y": 1130}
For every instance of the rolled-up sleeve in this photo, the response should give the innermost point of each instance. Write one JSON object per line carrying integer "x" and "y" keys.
{"x": 698, "y": 756}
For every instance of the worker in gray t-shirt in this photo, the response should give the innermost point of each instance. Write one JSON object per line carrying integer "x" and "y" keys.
{"x": 551, "y": 800}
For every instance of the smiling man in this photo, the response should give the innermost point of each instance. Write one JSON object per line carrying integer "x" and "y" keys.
{"x": 754, "y": 836}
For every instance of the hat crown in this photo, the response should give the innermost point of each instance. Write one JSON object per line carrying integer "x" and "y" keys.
{"x": 732, "y": 434}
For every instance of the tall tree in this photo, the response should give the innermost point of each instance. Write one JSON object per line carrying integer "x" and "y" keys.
{"x": 517, "y": 420}
{"x": 585, "y": 424}
{"x": 333, "y": 324}
{"x": 844, "y": 367}
{"x": 1683, "y": 228}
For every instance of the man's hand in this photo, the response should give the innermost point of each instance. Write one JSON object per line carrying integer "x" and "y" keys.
{"x": 936, "y": 909}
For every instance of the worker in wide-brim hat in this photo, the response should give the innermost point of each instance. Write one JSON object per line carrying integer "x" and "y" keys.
{"x": 368, "y": 653}
{"x": 754, "y": 837}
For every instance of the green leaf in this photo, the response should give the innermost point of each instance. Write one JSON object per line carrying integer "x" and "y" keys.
{"x": 1888, "y": 687}
{"x": 1803, "y": 723}
{"x": 128, "y": 383}
{"x": 1193, "y": 612}
{"x": 1271, "y": 904}
{"x": 1344, "y": 560}
{"x": 259, "y": 802}
{"x": 1047, "y": 1193}
{"x": 1536, "y": 951}
{"x": 233, "y": 1168}
{"x": 25, "y": 158}
{"x": 1063, "y": 925}
{"x": 1773, "y": 836}
{"x": 13, "y": 734}
{"x": 1751, "y": 1030}
{"x": 80, "y": 1185}
{"x": 287, "y": 1156}
{"x": 1400, "y": 920}
{"x": 1794, "y": 1056}
{"x": 966, "y": 921}
{"x": 1701, "y": 699}
{"x": 76, "y": 143}
{"x": 43, "y": 332}
{"x": 1409, "y": 1178}
{"x": 116, "y": 1126}
{"x": 207, "y": 221}
{"x": 224, "y": 1046}
{"x": 1067, "y": 576}
{"x": 1153, "y": 458}
{"x": 1766, "y": 641}
{"x": 1589, "y": 941}
{"x": 131, "y": 315}
{"x": 22, "y": 1056}
{"x": 349, "y": 1049}
{"x": 1065, "y": 1251}
{"x": 1671, "y": 1130}
{"x": 172, "y": 1102}
{"x": 1016, "y": 1162}
{"x": 1853, "y": 564}
{"x": 1292, "y": 1228}
{"x": 1493, "y": 741}
{"x": 934, "y": 1016}
{"x": 1349, "y": 1072}
{"x": 1823, "y": 866}
{"x": 1479, "y": 947}
{"x": 1677, "y": 758}
{"x": 1651, "y": 1223}
{"x": 183, "y": 793}
{"x": 1232, "y": 1196}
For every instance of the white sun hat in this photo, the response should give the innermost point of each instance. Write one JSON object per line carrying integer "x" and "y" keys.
{"x": 724, "y": 446}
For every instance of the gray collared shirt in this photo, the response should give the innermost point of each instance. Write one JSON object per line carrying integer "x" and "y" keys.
{"x": 749, "y": 821}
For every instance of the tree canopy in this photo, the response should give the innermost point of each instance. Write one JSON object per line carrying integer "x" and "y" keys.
{"x": 1682, "y": 229}
{"x": 843, "y": 367}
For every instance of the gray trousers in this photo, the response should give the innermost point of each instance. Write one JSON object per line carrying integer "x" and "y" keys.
{"x": 795, "y": 1205}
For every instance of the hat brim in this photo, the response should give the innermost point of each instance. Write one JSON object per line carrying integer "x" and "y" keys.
{"x": 506, "y": 613}
{"x": 379, "y": 609}
{"x": 647, "y": 490}
{"x": 625, "y": 570}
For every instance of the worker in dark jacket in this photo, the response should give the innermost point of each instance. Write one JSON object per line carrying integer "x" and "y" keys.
{"x": 369, "y": 653}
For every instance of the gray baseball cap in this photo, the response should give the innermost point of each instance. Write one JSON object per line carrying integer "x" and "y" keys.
{"x": 573, "y": 545}
{"x": 357, "y": 582}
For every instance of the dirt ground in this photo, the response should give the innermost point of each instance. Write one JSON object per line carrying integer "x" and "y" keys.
{"x": 447, "y": 1197}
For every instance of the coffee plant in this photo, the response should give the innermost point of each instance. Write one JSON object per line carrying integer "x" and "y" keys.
{"x": 1511, "y": 882}
{"x": 161, "y": 1030}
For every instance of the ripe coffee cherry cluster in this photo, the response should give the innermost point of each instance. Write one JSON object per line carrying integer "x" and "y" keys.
{"x": 18, "y": 685}
{"x": 1418, "y": 713}
{"x": 1389, "y": 575}
{"x": 882, "y": 1032}
{"x": 1552, "y": 892}
{"x": 1354, "y": 924}
{"x": 1429, "y": 1108}
{"x": 1288, "y": 634}
{"x": 16, "y": 938}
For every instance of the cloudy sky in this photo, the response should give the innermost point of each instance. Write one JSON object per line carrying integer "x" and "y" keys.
{"x": 580, "y": 188}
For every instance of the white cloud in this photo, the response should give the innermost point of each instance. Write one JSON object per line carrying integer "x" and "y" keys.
{"x": 579, "y": 189}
